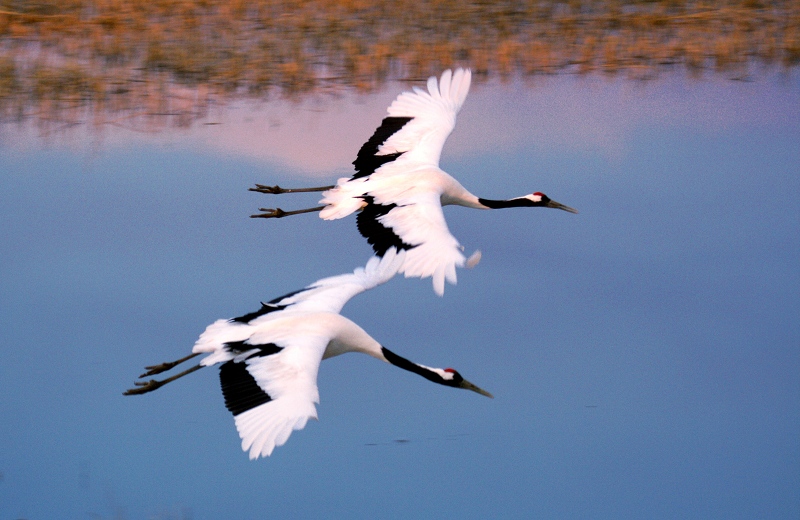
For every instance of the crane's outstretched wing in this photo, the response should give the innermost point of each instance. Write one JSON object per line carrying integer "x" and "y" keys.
{"x": 432, "y": 118}
{"x": 271, "y": 389}
{"x": 409, "y": 138}
{"x": 331, "y": 294}
{"x": 418, "y": 226}
{"x": 268, "y": 378}
{"x": 325, "y": 295}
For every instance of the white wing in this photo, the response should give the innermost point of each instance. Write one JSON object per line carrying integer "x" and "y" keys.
{"x": 435, "y": 252}
{"x": 434, "y": 117}
{"x": 327, "y": 295}
{"x": 273, "y": 394}
{"x": 331, "y": 294}
{"x": 411, "y": 138}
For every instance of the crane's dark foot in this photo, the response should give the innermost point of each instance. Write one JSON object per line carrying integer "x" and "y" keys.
{"x": 277, "y": 190}
{"x": 142, "y": 387}
{"x": 261, "y": 188}
{"x": 279, "y": 213}
{"x": 157, "y": 369}
{"x": 163, "y": 367}
{"x": 269, "y": 213}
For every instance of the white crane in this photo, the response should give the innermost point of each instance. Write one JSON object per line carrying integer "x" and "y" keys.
{"x": 400, "y": 189}
{"x": 270, "y": 358}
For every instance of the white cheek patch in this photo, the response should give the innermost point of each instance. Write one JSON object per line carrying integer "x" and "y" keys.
{"x": 447, "y": 375}
{"x": 535, "y": 197}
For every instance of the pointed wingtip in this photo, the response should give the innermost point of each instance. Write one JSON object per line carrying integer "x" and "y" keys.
{"x": 381, "y": 269}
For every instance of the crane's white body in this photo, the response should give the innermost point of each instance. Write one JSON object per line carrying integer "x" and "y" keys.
{"x": 308, "y": 328}
{"x": 414, "y": 183}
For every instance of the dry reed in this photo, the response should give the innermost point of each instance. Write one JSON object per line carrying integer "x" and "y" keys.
{"x": 143, "y": 56}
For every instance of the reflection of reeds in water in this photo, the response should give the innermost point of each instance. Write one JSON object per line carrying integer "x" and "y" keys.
{"x": 117, "y": 58}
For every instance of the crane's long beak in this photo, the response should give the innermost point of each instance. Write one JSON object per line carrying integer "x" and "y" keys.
{"x": 558, "y": 205}
{"x": 469, "y": 386}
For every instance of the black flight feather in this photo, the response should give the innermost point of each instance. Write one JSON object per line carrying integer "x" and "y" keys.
{"x": 266, "y": 308}
{"x": 379, "y": 236}
{"x": 239, "y": 388}
{"x": 368, "y": 160}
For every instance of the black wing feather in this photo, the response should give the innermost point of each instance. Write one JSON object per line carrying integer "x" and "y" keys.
{"x": 266, "y": 308}
{"x": 239, "y": 387}
{"x": 368, "y": 160}
{"x": 379, "y": 236}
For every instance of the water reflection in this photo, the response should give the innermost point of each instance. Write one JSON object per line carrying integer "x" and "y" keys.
{"x": 169, "y": 62}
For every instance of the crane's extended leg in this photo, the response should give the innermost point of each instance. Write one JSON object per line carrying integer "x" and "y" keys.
{"x": 277, "y": 190}
{"x": 142, "y": 387}
{"x": 163, "y": 367}
{"x": 279, "y": 213}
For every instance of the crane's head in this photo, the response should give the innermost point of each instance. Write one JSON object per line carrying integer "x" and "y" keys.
{"x": 451, "y": 377}
{"x": 539, "y": 199}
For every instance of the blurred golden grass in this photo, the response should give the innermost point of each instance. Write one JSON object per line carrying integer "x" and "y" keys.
{"x": 102, "y": 58}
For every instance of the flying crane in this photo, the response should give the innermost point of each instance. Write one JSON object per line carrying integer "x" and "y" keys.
{"x": 399, "y": 189}
{"x": 269, "y": 358}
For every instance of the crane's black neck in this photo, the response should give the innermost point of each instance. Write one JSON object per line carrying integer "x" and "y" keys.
{"x": 521, "y": 202}
{"x": 427, "y": 373}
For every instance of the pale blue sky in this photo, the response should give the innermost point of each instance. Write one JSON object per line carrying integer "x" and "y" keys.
{"x": 644, "y": 354}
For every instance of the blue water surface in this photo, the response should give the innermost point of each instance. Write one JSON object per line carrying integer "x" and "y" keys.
{"x": 644, "y": 354}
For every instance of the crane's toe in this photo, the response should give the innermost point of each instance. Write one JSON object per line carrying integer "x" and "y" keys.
{"x": 142, "y": 387}
{"x": 261, "y": 188}
{"x": 269, "y": 213}
{"x": 157, "y": 369}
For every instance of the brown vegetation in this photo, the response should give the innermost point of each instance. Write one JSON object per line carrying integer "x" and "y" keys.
{"x": 176, "y": 56}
